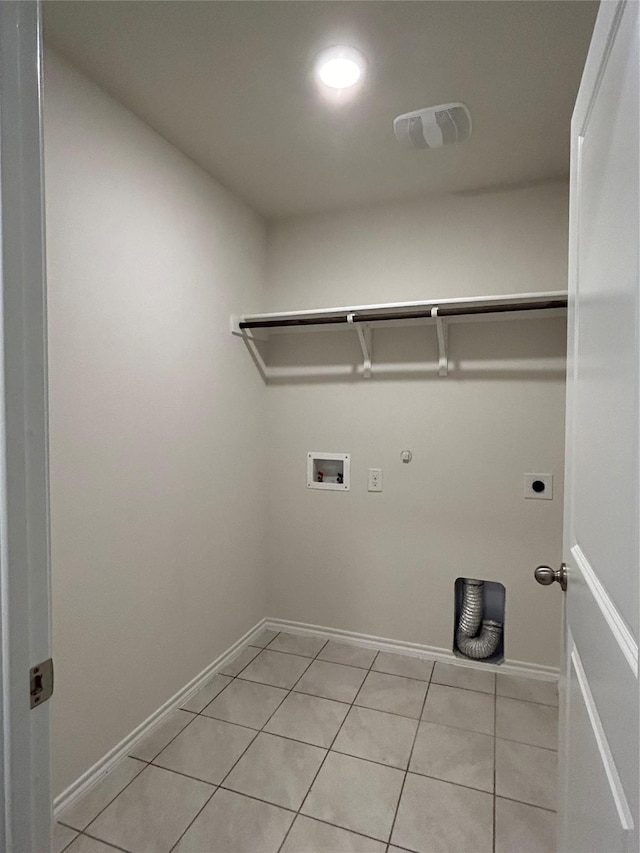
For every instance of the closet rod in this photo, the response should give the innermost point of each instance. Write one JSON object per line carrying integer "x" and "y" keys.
{"x": 409, "y": 314}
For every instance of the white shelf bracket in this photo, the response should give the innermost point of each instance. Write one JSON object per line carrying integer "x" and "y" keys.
{"x": 441, "y": 329}
{"x": 366, "y": 345}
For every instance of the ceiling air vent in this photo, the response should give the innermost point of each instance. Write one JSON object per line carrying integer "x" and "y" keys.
{"x": 434, "y": 127}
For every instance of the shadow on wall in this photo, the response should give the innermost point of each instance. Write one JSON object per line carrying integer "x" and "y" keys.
{"x": 529, "y": 349}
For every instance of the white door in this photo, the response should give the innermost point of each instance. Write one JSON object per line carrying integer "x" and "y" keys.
{"x": 598, "y": 796}
{"x": 25, "y": 812}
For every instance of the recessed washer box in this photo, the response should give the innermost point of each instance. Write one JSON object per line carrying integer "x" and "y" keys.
{"x": 329, "y": 471}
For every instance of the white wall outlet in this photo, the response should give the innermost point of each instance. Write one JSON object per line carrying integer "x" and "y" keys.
{"x": 538, "y": 486}
{"x": 374, "y": 481}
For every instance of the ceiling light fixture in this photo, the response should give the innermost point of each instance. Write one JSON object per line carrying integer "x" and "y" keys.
{"x": 340, "y": 67}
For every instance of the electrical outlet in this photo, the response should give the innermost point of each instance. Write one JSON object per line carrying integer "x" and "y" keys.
{"x": 374, "y": 482}
{"x": 538, "y": 486}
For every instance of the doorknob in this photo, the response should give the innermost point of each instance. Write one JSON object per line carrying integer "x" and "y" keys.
{"x": 546, "y": 576}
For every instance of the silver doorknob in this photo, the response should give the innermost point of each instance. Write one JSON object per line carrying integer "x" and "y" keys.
{"x": 546, "y": 576}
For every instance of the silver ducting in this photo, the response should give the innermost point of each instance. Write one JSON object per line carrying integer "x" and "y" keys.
{"x": 471, "y": 612}
{"x": 469, "y": 642}
{"x": 485, "y": 644}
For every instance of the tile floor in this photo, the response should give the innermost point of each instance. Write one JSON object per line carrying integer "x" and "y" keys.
{"x": 305, "y": 745}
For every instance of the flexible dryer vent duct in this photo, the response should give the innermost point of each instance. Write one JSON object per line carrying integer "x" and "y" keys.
{"x": 469, "y": 642}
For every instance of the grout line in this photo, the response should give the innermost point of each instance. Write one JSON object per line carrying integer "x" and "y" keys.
{"x": 524, "y": 743}
{"x": 68, "y": 826}
{"x": 282, "y": 652}
{"x": 393, "y": 713}
{"x": 408, "y": 677}
{"x": 528, "y": 701}
{"x": 381, "y": 763}
{"x": 258, "y": 799}
{"x": 523, "y": 803}
{"x": 256, "y": 646}
{"x": 220, "y": 720}
{"x": 256, "y": 733}
{"x": 406, "y": 772}
{"x": 339, "y": 663}
{"x": 405, "y": 677}
{"x": 336, "y": 826}
{"x": 531, "y": 702}
{"x": 352, "y": 665}
{"x": 106, "y": 843}
{"x": 449, "y": 782}
{"x": 467, "y": 689}
{"x": 213, "y": 785}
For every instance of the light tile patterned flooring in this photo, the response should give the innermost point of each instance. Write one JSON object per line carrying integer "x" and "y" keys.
{"x": 305, "y": 745}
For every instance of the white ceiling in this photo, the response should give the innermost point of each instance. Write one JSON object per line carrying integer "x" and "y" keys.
{"x": 229, "y": 83}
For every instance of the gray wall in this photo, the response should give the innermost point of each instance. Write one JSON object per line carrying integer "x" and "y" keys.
{"x": 385, "y": 564}
{"x": 156, "y": 419}
{"x": 180, "y": 515}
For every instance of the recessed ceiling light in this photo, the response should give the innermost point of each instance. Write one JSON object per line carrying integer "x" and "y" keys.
{"x": 340, "y": 67}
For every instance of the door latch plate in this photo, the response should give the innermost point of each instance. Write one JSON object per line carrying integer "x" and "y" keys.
{"x": 41, "y": 682}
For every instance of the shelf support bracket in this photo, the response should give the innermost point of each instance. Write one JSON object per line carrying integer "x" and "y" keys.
{"x": 366, "y": 344}
{"x": 441, "y": 329}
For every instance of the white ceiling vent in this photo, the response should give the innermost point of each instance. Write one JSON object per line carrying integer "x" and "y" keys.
{"x": 434, "y": 127}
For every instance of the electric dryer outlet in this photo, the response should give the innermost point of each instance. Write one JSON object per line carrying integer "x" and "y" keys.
{"x": 538, "y": 486}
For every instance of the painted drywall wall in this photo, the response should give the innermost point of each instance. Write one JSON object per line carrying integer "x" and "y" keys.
{"x": 169, "y": 456}
{"x": 157, "y": 506}
{"x": 385, "y": 564}
{"x": 467, "y": 244}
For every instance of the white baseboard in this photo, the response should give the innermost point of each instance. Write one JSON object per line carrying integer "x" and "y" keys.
{"x": 121, "y": 750}
{"x": 367, "y": 641}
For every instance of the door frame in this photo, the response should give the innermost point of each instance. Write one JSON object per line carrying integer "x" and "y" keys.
{"x": 25, "y": 819}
